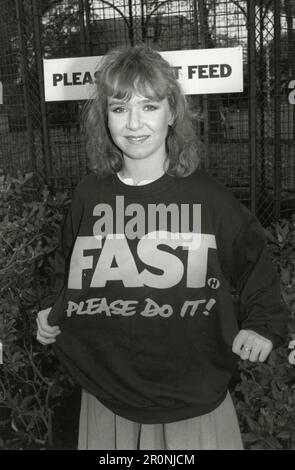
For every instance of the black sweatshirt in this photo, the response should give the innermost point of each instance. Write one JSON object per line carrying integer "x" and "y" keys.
{"x": 147, "y": 317}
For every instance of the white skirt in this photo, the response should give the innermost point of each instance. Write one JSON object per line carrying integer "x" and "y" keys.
{"x": 101, "y": 429}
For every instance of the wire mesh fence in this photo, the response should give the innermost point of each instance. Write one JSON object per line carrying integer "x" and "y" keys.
{"x": 248, "y": 137}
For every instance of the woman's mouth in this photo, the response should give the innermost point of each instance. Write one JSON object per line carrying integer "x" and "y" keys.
{"x": 136, "y": 140}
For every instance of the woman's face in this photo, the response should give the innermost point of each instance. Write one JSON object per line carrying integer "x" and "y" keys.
{"x": 139, "y": 127}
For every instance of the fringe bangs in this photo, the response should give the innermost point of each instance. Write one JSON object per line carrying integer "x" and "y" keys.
{"x": 124, "y": 80}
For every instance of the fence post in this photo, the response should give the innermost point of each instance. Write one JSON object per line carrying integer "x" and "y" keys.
{"x": 82, "y": 29}
{"x": 277, "y": 110}
{"x": 131, "y": 26}
{"x": 27, "y": 104}
{"x": 196, "y": 24}
{"x": 88, "y": 28}
{"x": 143, "y": 28}
{"x": 44, "y": 120}
{"x": 252, "y": 101}
{"x": 205, "y": 97}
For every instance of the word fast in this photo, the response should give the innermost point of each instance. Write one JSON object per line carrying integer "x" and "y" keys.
{"x": 117, "y": 249}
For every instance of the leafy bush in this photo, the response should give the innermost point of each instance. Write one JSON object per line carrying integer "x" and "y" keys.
{"x": 265, "y": 393}
{"x": 32, "y": 382}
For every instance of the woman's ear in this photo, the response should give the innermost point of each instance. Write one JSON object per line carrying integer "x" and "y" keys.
{"x": 171, "y": 119}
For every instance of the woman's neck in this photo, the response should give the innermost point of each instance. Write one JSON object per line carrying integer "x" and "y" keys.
{"x": 138, "y": 171}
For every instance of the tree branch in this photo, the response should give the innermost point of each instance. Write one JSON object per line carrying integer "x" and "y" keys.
{"x": 117, "y": 10}
{"x": 240, "y": 7}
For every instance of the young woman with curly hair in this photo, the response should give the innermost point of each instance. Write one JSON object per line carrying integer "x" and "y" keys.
{"x": 141, "y": 311}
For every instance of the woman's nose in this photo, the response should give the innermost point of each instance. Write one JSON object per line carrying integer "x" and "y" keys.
{"x": 134, "y": 120}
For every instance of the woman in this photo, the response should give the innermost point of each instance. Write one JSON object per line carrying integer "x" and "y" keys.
{"x": 141, "y": 312}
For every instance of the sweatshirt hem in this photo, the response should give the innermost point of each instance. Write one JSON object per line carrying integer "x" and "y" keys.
{"x": 160, "y": 415}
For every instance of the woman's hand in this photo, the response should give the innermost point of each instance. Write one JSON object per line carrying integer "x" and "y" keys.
{"x": 46, "y": 334}
{"x": 252, "y": 346}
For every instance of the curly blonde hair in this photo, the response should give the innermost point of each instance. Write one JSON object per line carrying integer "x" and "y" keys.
{"x": 139, "y": 69}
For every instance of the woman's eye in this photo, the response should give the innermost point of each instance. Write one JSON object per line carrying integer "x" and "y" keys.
{"x": 118, "y": 109}
{"x": 150, "y": 107}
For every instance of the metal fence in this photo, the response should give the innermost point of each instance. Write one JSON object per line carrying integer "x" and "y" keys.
{"x": 249, "y": 137}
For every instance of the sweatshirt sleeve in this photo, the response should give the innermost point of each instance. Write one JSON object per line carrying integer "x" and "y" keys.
{"x": 67, "y": 234}
{"x": 255, "y": 278}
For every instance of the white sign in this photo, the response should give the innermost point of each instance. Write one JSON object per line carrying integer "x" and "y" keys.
{"x": 1, "y": 93}
{"x": 199, "y": 71}
{"x": 291, "y": 97}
